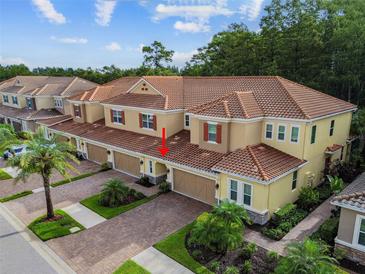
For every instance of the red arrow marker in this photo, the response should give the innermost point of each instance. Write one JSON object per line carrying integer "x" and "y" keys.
{"x": 163, "y": 149}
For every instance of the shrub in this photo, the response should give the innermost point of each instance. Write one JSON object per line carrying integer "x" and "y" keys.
{"x": 104, "y": 167}
{"x": 214, "y": 266}
{"x": 196, "y": 254}
{"x": 339, "y": 253}
{"x": 231, "y": 270}
{"x": 247, "y": 266}
{"x": 273, "y": 233}
{"x": 285, "y": 226}
{"x": 328, "y": 230}
{"x": 220, "y": 230}
{"x": 164, "y": 187}
{"x": 284, "y": 213}
{"x": 336, "y": 184}
{"x": 272, "y": 256}
{"x": 308, "y": 198}
{"x": 299, "y": 215}
{"x": 113, "y": 193}
{"x": 25, "y": 135}
{"x": 248, "y": 250}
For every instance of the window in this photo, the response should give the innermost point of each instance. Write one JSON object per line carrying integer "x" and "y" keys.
{"x": 247, "y": 191}
{"x": 294, "y": 138}
{"x": 6, "y": 98}
{"x": 187, "y": 121}
{"x": 269, "y": 131}
{"x": 58, "y": 103}
{"x": 313, "y": 134}
{"x": 332, "y": 127}
{"x": 29, "y": 102}
{"x": 233, "y": 190}
{"x": 294, "y": 180}
{"x": 77, "y": 111}
{"x": 117, "y": 117}
{"x": 150, "y": 166}
{"x": 147, "y": 121}
{"x": 212, "y": 132}
{"x": 359, "y": 235}
{"x": 281, "y": 132}
{"x": 15, "y": 100}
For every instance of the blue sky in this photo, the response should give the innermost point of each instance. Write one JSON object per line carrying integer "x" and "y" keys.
{"x": 95, "y": 33}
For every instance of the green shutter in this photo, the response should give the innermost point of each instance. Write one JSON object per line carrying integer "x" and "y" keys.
{"x": 313, "y": 135}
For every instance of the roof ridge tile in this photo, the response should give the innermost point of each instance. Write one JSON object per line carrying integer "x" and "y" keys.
{"x": 257, "y": 163}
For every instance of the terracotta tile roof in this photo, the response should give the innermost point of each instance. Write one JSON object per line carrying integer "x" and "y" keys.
{"x": 233, "y": 105}
{"x": 54, "y": 121}
{"x": 107, "y": 91}
{"x": 46, "y": 85}
{"x": 139, "y": 100}
{"x": 28, "y": 114}
{"x": 334, "y": 148}
{"x": 353, "y": 195}
{"x": 181, "y": 150}
{"x": 260, "y": 162}
{"x": 246, "y": 96}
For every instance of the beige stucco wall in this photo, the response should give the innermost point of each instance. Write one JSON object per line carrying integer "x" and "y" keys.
{"x": 223, "y": 146}
{"x": 347, "y": 225}
{"x": 67, "y": 107}
{"x": 173, "y": 122}
{"x": 21, "y": 100}
{"x": 138, "y": 89}
{"x": 244, "y": 134}
{"x": 94, "y": 112}
{"x": 83, "y": 113}
{"x": 44, "y": 102}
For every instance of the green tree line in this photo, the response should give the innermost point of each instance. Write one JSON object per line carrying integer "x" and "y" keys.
{"x": 319, "y": 43}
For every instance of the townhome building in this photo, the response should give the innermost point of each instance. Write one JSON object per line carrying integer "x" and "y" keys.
{"x": 27, "y": 99}
{"x": 255, "y": 141}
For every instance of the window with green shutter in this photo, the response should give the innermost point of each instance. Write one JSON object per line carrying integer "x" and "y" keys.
{"x": 313, "y": 134}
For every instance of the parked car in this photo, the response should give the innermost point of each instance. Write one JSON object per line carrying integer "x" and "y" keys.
{"x": 14, "y": 151}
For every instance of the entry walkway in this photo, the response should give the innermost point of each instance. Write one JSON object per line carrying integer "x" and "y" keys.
{"x": 302, "y": 230}
{"x": 158, "y": 263}
{"x": 83, "y": 215}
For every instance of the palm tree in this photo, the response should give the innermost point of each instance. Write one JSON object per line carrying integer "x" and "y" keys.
{"x": 231, "y": 213}
{"x": 7, "y": 137}
{"x": 43, "y": 156}
{"x": 307, "y": 257}
{"x": 113, "y": 193}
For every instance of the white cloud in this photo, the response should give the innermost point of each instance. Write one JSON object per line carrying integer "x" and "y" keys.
{"x": 251, "y": 9}
{"x": 104, "y": 11}
{"x": 70, "y": 40}
{"x": 179, "y": 58}
{"x": 113, "y": 46}
{"x": 11, "y": 61}
{"x": 48, "y": 11}
{"x": 191, "y": 26}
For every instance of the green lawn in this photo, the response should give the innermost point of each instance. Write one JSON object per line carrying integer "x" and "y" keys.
{"x": 110, "y": 212}
{"x": 174, "y": 247}
{"x": 49, "y": 230}
{"x": 15, "y": 196}
{"x": 72, "y": 179}
{"x": 4, "y": 175}
{"x": 130, "y": 267}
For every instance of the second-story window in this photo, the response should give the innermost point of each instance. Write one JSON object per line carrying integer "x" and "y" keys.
{"x": 77, "y": 111}
{"x": 313, "y": 134}
{"x": 117, "y": 116}
{"x": 294, "y": 138}
{"x": 281, "y": 132}
{"x": 269, "y": 131}
{"x": 6, "y": 98}
{"x": 58, "y": 103}
{"x": 29, "y": 103}
{"x": 332, "y": 127}
{"x": 212, "y": 132}
{"x": 147, "y": 121}
{"x": 187, "y": 120}
{"x": 15, "y": 100}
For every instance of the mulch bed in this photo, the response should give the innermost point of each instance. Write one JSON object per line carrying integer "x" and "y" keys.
{"x": 260, "y": 263}
{"x": 144, "y": 182}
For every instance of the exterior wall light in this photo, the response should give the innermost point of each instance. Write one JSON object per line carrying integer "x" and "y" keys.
{"x": 216, "y": 186}
{"x": 141, "y": 162}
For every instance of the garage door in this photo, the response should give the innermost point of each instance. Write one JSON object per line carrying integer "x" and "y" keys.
{"x": 17, "y": 126}
{"x": 127, "y": 163}
{"x": 194, "y": 186}
{"x": 97, "y": 154}
{"x": 61, "y": 138}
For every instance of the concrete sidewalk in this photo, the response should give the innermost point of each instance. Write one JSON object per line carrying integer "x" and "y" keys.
{"x": 22, "y": 252}
{"x": 83, "y": 215}
{"x": 158, "y": 263}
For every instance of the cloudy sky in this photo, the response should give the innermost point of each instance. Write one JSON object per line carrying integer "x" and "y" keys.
{"x": 95, "y": 33}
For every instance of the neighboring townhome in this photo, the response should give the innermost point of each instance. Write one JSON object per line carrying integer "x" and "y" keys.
{"x": 253, "y": 140}
{"x": 27, "y": 99}
{"x": 351, "y": 229}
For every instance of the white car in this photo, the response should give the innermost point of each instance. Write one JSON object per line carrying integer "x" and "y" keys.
{"x": 14, "y": 151}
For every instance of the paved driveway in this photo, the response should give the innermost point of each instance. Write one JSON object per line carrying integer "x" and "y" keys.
{"x": 9, "y": 187}
{"x": 102, "y": 248}
{"x": 32, "y": 206}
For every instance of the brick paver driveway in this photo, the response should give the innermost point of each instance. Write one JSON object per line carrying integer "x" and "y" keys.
{"x": 32, "y": 206}
{"x": 8, "y": 187}
{"x": 102, "y": 248}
